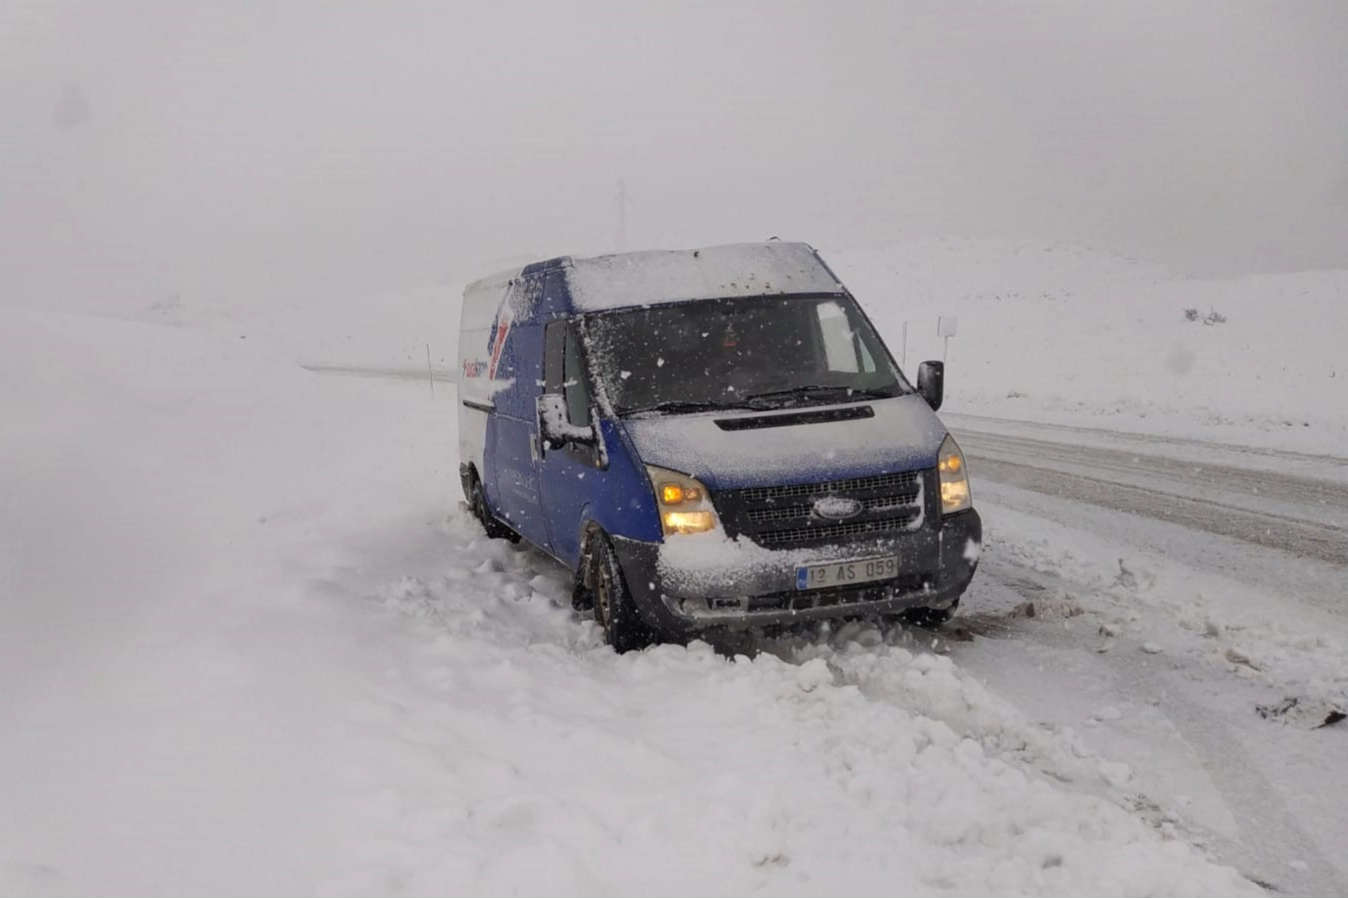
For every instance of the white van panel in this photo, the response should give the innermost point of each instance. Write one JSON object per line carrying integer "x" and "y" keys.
{"x": 480, "y": 307}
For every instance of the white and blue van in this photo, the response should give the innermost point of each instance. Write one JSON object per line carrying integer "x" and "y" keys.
{"x": 710, "y": 438}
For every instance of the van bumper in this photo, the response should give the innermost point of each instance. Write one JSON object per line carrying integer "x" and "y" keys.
{"x": 935, "y": 569}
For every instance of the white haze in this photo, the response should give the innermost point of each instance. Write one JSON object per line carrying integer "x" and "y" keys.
{"x": 355, "y": 146}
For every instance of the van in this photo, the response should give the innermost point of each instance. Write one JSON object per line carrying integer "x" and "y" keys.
{"x": 710, "y": 438}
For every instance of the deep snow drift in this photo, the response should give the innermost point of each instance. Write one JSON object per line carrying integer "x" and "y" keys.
{"x": 250, "y": 645}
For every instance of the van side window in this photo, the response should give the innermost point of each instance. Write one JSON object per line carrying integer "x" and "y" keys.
{"x": 574, "y": 386}
{"x": 842, "y": 350}
{"x": 563, "y": 372}
{"x": 554, "y": 341}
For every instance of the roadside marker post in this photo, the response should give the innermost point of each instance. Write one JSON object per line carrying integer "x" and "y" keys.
{"x": 946, "y": 326}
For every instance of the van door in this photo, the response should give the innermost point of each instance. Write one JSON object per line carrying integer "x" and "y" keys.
{"x": 568, "y": 477}
{"x": 512, "y": 435}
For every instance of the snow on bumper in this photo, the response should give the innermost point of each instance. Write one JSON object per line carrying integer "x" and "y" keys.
{"x": 694, "y": 581}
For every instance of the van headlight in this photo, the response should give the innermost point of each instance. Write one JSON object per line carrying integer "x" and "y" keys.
{"x": 684, "y": 504}
{"x": 954, "y": 478}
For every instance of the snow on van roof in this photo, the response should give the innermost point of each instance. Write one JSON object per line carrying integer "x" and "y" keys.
{"x": 732, "y": 270}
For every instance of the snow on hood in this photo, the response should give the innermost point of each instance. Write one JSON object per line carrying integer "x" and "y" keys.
{"x": 904, "y": 435}
{"x": 734, "y": 270}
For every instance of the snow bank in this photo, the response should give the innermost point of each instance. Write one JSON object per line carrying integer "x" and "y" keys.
{"x": 855, "y": 767}
{"x": 1053, "y": 332}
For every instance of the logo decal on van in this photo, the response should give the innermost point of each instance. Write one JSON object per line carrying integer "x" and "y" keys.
{"x": 496, "y": 340}
{"x": 837, "y": 508}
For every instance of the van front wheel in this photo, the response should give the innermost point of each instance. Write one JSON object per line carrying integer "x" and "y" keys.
{"x": 614, "y": 609}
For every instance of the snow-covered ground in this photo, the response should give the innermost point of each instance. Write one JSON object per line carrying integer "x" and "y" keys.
{"x": 1191, "y": 639}
{"x": 250, "y": 644}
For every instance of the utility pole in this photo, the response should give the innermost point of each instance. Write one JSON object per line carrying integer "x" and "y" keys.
{"x": 621, "y": 201}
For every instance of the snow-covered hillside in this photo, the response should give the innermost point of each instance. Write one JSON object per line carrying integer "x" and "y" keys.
{"x": 1055, "y": 332}
{"x": 250, "y": 645}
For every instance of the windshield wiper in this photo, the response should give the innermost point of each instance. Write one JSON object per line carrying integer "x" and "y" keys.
{"x": 821, "y": 391}
{"x": 677, "y": 406}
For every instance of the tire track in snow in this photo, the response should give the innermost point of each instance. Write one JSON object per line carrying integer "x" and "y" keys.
{"x": 1215, "y": 721}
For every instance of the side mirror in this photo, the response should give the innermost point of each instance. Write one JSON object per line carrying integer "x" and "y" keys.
{"x": 931, "y": 382}
{"x": 554, "y": 427}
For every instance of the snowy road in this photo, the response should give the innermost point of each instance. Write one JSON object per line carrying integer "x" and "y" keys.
{"x": 1176, "y": 588}
{"x": 1298, "y": 514}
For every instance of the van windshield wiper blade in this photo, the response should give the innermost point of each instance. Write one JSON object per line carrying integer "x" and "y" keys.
{"x": 677, "y": 406}
{"x": 821, "y": 390}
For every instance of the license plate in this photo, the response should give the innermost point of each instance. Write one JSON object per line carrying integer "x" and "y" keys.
{"x": 857, "y": 571}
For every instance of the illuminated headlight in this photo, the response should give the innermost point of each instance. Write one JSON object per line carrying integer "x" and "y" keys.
{"x": 685, "y": 507}
{"x": 954, "y": 478}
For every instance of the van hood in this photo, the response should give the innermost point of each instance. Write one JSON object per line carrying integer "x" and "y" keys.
{"x": 902, "y": 434}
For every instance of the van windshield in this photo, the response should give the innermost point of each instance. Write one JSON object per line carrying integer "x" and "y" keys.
{"x": 768, "y": 352}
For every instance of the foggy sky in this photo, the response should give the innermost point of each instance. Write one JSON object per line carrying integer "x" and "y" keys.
{"x": 382, "y": 141}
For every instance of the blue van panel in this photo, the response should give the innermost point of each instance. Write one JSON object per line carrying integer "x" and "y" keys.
{"x": 509, "y": 462}
{"x": 511, "y": 475}
{"x": 519, "y": 361}
{"x": 624, "y": 503}
{"x": 536, "y": 268}
{"x": 617, "y": 498}
{"x": 567, "y": 486}
{"x": 556, "y": 299}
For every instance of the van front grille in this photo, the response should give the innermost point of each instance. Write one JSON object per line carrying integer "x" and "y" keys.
{"x": 888, "y": 483}
{"x": 901, "y": 504}
{"x": 784, "y": 516}
{"x": 797, "y": 536}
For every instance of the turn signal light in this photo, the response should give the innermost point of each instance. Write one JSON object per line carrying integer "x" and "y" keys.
{"x": 681, "y": 502}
